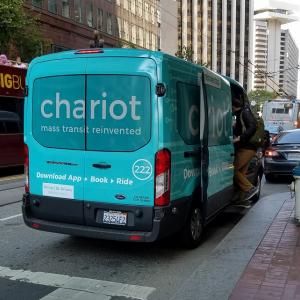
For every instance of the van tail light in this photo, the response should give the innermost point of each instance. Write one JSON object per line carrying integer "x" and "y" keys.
{"x": 26, "y": 168}
{"x": 162, "y": 177}
{"x": 89, "y": 51}
{"x": 271, "y": 153}
{"x": 295, "y": 124}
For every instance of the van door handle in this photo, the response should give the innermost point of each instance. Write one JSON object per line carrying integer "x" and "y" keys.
{"x": 102, "y": 166}
{"x": 193, "y": 153}
{"x": 231, "y": 154}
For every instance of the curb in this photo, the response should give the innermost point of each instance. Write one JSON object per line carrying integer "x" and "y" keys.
{"x": 217, "y": 276}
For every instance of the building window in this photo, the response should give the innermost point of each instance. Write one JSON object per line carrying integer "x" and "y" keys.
{"x": 140, "y": 8}
{"x": 99, "y": 19}
{"x": 158, "y": 17}
{"x": 154, "y": 43}
{"x": 89, "y": 14}
{"x": 132, "y": 6}
{"x": 65, "y": 8}
{"x": 52, "y": 7}
{"x": 125, "y": 4}
{"x": 146, "y": 11}
{"x": 109, "y": 23}
{"x": 152, "y": 15}
{"x": 37, "y": 3}
{"x": 147, "y": 42}
{"x": 78, "y": 11}
{"x": 126, "y": 30}
{"x": 119, "y": 27}
{"x": 133, "y": 34}
{"x": 141, "y": 37}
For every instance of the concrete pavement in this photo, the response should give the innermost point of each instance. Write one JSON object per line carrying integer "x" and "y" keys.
{"x": 257, "y": 259}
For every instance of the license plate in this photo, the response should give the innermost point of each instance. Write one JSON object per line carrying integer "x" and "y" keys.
{"x": 294, "y": 156}
{"x": 114, "y": 217}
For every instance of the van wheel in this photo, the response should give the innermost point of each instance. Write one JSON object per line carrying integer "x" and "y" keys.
{"x": 193, "y": 229}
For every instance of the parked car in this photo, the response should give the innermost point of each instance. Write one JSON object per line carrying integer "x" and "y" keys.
{"x": 11, "y": 140}
{"x": 274, "y": 130}
{"x": 283, "y": 155}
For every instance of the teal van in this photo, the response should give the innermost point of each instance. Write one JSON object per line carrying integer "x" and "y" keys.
{"x": 126, "y": 145}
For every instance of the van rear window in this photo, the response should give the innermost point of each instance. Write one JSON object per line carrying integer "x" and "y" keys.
{"x": 92, "y": 112}
{"x": 118, "y": 112}
{"x": 58, "y": 111}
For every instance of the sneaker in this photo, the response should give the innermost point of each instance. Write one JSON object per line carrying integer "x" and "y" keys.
{"x": 251, "y": 193}
{"x": 244, "y": 204}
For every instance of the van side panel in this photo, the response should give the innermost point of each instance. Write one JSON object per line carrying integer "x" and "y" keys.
{"x": 179, "y": 113}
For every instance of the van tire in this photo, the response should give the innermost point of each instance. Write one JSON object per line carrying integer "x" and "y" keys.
{"x": 193, "y": 228}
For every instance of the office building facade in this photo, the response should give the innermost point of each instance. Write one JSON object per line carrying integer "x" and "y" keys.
{"x": 288, "y": 65}
{"x": 220, "y": 35}
{"x": 275, "y": 52}
{"x": 69, "y": 24}
{"x": 168, "y": 20}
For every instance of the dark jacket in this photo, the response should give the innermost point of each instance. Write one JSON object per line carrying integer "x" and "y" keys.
{"x": 250, "y": 128}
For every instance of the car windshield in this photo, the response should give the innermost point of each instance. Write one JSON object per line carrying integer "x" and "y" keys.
{"x": 288, "y": 137}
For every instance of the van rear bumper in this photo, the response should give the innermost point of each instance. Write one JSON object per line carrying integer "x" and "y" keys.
{"x": 165, "y": 222}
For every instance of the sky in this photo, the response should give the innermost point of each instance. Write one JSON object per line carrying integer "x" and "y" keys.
{"x": 294, "y": 27}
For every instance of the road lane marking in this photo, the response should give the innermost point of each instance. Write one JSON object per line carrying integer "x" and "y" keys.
{"x": 12, "y": 177}
{"x": 11, "y": 217}
{"x": 86, "y": 288}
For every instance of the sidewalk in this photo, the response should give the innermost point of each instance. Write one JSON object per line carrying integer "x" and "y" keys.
{"x": 274, "y": 270}
{"x": 258, "y": 258}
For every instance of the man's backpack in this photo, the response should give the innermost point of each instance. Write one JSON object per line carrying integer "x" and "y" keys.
{"x": 259, "y": 136}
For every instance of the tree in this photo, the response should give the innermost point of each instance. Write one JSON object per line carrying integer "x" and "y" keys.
{"x": 187, "y": 54}
{"x": 19, "y": 32}
{"x": 260, "y": 96}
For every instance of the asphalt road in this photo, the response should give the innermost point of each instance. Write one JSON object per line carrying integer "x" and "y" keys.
{"x": 161, "y": 266}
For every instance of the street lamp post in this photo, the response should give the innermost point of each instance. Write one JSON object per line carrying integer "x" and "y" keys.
{"x": 98, "y": 41}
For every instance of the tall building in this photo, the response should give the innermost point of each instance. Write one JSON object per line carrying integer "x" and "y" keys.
{"x": 69, "y": 24}
{"x": 260, "y": 54}
{"x": 168, "y": 20}
{"x": 276, "y": 54}
{"x": 219, "y": 32}
{"x": 288, "y": 66}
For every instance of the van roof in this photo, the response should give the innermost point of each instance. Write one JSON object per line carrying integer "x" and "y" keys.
{"x": 232, "y": 81}
{"x": 109, "y": 52}
{"x": 8, "y": 115}
{"x": 105, "y": 52}
{"x": 122, "y": 52}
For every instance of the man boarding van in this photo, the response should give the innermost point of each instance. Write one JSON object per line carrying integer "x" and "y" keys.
{"x": 127, "y": 145}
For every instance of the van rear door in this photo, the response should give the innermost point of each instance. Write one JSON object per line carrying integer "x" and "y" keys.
{"x": 121, "y": 140}
{"x": 55, "y": 121}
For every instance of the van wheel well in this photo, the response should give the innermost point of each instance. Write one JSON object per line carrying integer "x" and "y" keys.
{"x": 193, "y": 228}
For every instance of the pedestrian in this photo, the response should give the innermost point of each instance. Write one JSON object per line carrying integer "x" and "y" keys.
{"x": 243, "y": 130}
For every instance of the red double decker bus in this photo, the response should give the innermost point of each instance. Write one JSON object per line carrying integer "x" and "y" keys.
{"x": 12, "y": 88}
